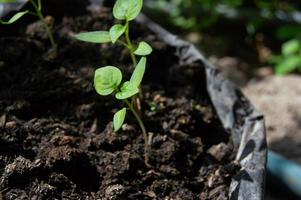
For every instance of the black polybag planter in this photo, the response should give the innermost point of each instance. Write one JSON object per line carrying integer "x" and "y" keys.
{"x": 236, "y": 113}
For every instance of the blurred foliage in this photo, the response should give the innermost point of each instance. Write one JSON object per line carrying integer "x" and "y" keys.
{"x": 290, "y": 58}
{"x": 286, "y": 32}
{"x": 201, "y": 15}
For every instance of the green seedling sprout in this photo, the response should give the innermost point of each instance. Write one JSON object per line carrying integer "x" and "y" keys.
{"x": 108, "y": 80}
{"x": 125, "y": 10}
{"x": 38, "y": 13}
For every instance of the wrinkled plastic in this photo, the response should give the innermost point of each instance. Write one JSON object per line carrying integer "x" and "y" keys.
{"x": 236, "y": 113}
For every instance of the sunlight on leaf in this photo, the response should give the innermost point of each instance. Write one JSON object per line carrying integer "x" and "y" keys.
{"x": 116, "y": 31}
{"x": 14, "y": 18}
{"x": 143, "y": 49}
{"x": 127, "y": 9}
{"x": 118, "y": 119}
{"x": 94, "y": 37}
{"x": 107, "y": 79}
{"x": 138, "y": 73}
{"x": 8, "y": 1}
{"x": 127, "y": 90}
{"x": 291, "y": 47}
{"x": 288, "y": 65}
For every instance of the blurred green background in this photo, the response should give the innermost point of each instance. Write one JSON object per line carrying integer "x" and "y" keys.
{"x": 261, "y": 32}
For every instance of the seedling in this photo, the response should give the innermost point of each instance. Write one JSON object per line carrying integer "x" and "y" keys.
{"x": 38, "y": 13}
{"x": 108, "y": 80}
{"x": 125, "y": 10}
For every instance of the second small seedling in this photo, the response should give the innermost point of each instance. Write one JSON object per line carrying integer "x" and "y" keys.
{"x": 38, "y": 12}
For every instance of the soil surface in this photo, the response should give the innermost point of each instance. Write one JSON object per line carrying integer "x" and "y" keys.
{"x": 56, "y": 138}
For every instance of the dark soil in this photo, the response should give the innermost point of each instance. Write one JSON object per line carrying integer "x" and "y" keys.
{"x": 56, "y": 138}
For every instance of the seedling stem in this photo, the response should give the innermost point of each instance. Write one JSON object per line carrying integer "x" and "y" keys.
{"x": 141, "y": 124}
{"x": 38, "y": 8}
{"x": 129, "y": 43}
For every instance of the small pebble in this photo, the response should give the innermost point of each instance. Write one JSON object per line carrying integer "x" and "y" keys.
{"x": 114, "y": 191}
{"x": 218, "y": 151}
{"x": 11, "y": 124}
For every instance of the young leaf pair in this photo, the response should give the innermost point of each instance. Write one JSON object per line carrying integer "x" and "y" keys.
{"x": 108, "y": 80}
{"x": 143, "y": 48}
{"x": 126, "y": 10}
{"x": 123, "y": 10}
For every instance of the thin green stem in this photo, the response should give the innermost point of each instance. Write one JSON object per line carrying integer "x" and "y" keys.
{"x": 39, "y": 5}
{"x": 141, "y": 124}
{"x": 129, "y": 43}
{"x": 49, "y": 33}
{"x": 38, "y": 9}
{"x": 122, "y": 43}
{"x": 131, "y": 105}
{"x": 131, "y": 49}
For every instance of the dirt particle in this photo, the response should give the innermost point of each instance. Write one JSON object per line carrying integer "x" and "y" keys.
{"x": 114, "y": 192}
{"x": 11, "y": 124}
{"x": 2, "y": 120}
{"x": 219, "y": 151}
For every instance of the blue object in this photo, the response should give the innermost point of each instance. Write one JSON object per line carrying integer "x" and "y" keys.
{"x": 288, "y": 172}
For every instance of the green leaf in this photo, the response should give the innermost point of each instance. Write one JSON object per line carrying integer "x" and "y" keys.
{"x": 127, "y": 90}
{"x": 107, "y": 79}
{"x": 143, "y": 49}
{"x": 94, "y": 36}
{"x": 7, "y": 1}
{"x": 288, "y": 65}
{"x": 14, "y": 18}
{"x": 127, "y": 9}
{"x": 288, "y": 31}
{"x": 116, "y": 31}
{"x": 118, "y": 119}
{"x": 291, "y": 47}
{"x": 138, "y": 73}
{"x": 275, "y": 59}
